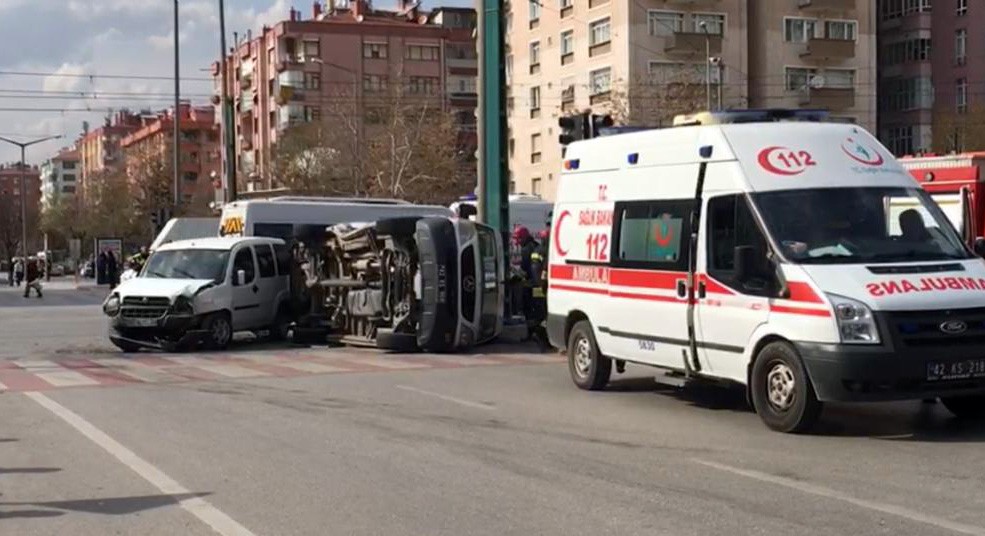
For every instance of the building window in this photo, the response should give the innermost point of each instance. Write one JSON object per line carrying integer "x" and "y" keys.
{"x": 665, "y": 23}
{"x": 375, "y": 51}
{"x": 311, "y": 49}
{"x": 68, "y": 189}
{"x": 534, "y": 10}
{"x": 962, "y": 8}
{"x": 899, "y": 140}
{"x": 904, "y": 94}
{"x": 839, "y": 78}
{"x": 534, "y": 56}
{"x": 715, "y": 23}
{"x": 68, "y": 177}
{"x": 598, "y": 32}
{"x": 960, "y": 46}
{"x": 535, "y": 99}
{"x": 509, "y": 69}
{"x": 190, "y": 176}
{"x": 68, "y": 165}
{"x": 798, "y": 77}
{"x": 567, "y": 42}
{"x": 600, "y": 81}
{"x": 422, "y": 53}
{"x": 844, "y": 30}
{"x": 567, "y": 91}
{"x": 312, "y": 113}
{"x": 567, "y": 3}
{"x": 961, "y": 95}
{"x": 535, "y": 148}
{"x": 424, "y": 85}
{"x": 799, "y": 30}
{"x": 535, "y": 186}
{"x": 374, "y": 83}
{"x": 312, "y": 81}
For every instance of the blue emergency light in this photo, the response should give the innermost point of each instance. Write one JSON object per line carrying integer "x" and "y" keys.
{"x": 633, "y": 158}
{"x": 571, "y": 164}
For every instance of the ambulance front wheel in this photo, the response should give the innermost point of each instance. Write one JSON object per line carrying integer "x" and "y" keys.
{"x": 589, "y": 368}
{"x": 782, "y": 393}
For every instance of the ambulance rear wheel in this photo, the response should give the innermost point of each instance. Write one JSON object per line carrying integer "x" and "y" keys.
{"x": 589, "y": 369}
{"x": 782, "y": 393}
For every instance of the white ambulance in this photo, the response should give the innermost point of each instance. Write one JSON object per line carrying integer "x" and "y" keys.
{"x": 769, "y": 249}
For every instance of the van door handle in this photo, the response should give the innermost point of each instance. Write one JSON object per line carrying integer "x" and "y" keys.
{"x": 702, "y": 290}
{"x": 681, "y": 288}
{"x": 256, "y": 289}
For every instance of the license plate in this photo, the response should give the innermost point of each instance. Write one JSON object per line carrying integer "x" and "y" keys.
{"x": 142, "y": 322}
{"x": 956, "y": 370}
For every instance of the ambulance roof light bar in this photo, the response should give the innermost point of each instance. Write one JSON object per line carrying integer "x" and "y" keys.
{"x": 770, "y": 115}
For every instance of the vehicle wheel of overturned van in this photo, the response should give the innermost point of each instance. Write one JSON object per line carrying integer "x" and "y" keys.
{"x": 782, "y": 393}
{"x": 397, "y": 226}
{"x": 220, "y": 331}
{"x": 965, "y": 407}
{"x": 589, "y": 368}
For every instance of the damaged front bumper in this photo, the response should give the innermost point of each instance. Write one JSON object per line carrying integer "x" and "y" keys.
{"x": 169, "y": 332}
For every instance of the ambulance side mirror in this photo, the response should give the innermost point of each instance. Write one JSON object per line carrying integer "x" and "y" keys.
{"x": 979, "y": 246}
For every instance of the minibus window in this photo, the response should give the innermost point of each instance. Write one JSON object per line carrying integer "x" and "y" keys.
{"x": 859, "y": 225}
{"x": 652, "y": 234}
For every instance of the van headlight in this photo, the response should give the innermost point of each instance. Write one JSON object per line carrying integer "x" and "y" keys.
{"x": 111, "y": 307}
{"x": 856, "y": 324}
{"x": 182, "y": 306}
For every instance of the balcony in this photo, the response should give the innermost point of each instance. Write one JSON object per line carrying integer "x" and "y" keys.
{"x": 829, "y": 98}
{"x": 692, "y": 3}
{"x": 246, "y": 102}
{"x": 693, "y": 43}
{"x": 828, "y": 49}
{"x": 826, "y": 5}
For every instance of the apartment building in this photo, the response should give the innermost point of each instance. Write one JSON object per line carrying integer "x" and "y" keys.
{"x": 959, "y": 74}
{"x": 60, "y": 176}
{"x": 905, "y": 87}
{"x": 19, "y": 185}
{"x": 646, "y": 60}
{"x": 302, "y": 68}
{"x": 199, "y": 154}
{"x": 99, "y": 149}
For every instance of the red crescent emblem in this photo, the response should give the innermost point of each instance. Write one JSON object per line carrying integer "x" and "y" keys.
{"x": 663, "y": 240}
{"x": 557, "y": 233}
{"x": 765, "y": 163}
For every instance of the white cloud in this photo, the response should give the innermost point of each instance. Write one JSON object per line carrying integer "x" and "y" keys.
{"x": 65, "y": 78}
{"x": 166, "y": 42}
{"x": 91, "y": 9}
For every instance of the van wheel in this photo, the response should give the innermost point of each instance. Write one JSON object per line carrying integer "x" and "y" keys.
{"x": 965, "y": 407}
{"x": 220, "y": 331}
{"x": 782, "y": 393}
{"x": 589, "y": 369}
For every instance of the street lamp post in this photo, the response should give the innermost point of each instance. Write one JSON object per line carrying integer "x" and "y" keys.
{"x": 704, "y": 27}
{"x": 24, "y": 146}
{"x": 177, "y": 111}
{"x": 228, "y": 135}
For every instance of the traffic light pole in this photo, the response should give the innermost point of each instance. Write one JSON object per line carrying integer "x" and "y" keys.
{"x": 493, "y": 168}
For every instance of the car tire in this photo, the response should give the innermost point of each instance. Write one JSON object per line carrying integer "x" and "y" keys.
{"x": 396, "y": 342}
{"x": 126, "y": 346}
{"x": 403, "y": 226}
{"x": 965, "y": 407}
{"x": 220, "y": 331}
{"x": 281, "y": 329}
{"x": 590, "y": 370}
{"x": 782, "y": 392}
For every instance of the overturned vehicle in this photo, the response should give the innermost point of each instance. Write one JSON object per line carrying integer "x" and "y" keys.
{"x": 403, "y": 284}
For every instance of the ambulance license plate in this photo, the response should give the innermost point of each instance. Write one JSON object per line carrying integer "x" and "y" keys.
{"x": 968, "y": 369}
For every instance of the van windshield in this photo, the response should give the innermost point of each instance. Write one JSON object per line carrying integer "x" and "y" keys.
{"x": 187, "y": 264}
{"x": 857, "y": 225}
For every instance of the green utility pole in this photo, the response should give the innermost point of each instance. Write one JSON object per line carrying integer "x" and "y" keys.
{"x": 493, "y": 168}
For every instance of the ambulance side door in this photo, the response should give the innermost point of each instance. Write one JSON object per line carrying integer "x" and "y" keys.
{"x": 647, "y": 312}
{"x": 728, "y": 311}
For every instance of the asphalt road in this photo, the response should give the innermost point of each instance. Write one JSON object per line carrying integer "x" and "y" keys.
{"x": 490, "y": 444}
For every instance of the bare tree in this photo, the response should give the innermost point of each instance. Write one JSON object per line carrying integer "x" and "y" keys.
{"x": 959, "y": 132}
{"x": 307, "y": 159}
{"x": 677, "y": 88}
{"x": 10, "y": 226}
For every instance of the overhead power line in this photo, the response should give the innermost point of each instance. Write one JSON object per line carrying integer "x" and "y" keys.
{"x": 103, "y": 76}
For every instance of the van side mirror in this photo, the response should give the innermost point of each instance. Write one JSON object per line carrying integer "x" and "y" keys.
{"x": 240, "y": 278}
{"x": 979, "y": 246}
{"x": 749, "y": 268}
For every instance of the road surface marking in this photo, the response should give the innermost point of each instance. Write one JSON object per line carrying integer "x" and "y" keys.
{"x": 66, "y": 378}
{"x": 3, "y": 387}
{"x": 137, "y": 370}
{"x": 388, "y": 363}
{"x": 197, "y": 506}
{"x": 309, "y": 366}
{"x": 37, "y": 365}
{"x": 233, "y": 371}
{"x": 446, "y": 398}
{"x": 829, "y": 493}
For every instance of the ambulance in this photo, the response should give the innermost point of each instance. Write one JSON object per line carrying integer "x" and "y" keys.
{"x": 771, "y": 249}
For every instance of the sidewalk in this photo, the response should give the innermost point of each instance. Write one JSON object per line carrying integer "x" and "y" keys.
{"x": 56, "y": 283}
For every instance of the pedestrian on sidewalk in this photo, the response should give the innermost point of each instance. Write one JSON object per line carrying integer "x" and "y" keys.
{"x": 33, "y": 271}
{"x": 18, "y": 271}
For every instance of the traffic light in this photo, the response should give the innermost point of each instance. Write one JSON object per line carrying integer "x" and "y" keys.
{"x": 596, "y": 123}
{"x": 572, "y": 129}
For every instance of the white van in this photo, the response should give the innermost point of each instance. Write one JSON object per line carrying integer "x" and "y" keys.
{"x": 295, "y": 217}
{"x": 202, "y": 291}
{"x": 770, "y": 254}
{"x": 527, "y": 210}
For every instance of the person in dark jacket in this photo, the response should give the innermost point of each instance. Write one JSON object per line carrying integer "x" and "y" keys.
{"x": 112, "y": 269}
{"x": 32, "y": 272}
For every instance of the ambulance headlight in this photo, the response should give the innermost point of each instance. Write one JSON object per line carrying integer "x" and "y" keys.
{"x": 856, "y": 325}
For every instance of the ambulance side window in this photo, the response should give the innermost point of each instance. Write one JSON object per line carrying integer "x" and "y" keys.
{"x": 730, "y": 224}
{"x": 652, "y": 234}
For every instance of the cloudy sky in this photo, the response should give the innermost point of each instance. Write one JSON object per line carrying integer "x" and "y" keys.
{"x": 86, "y": 57}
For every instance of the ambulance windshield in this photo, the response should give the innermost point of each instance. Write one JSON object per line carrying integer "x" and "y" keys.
{"x": 859, "y": 225}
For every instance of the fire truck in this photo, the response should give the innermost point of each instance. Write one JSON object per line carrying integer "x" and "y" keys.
{"x": 957, "y": 184}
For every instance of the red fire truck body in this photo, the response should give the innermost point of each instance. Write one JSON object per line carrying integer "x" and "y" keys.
{"x": 957, "y": 184}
